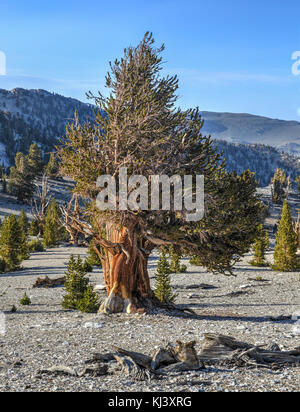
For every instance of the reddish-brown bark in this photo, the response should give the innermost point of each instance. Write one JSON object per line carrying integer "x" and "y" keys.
{"x": 125, "y": 273}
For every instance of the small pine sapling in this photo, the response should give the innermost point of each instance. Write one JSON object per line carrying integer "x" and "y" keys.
{"x": 261, "y": 245}
{"x": 285, "y": 254}
{"x": 163, "y": 290}
{"x": 25, "y": 301}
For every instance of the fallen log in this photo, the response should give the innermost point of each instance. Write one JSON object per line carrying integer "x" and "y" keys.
{"x": 49, "y": 283}
{"x": 139, "y": 358}
{"x": 218, "y": 348}
{"x": 132, "y": 369}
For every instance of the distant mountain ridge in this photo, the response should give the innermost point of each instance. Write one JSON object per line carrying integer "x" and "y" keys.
{"x": 39, "y": 116}
{"x": 249, "y": 129}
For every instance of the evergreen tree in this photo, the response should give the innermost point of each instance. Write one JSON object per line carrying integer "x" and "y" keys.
{"x": 25, "y": 301}
{"x": 157, "y": 138}
{"x": 92, "y": 257}
{"x": 23, "y": 221}
{"x": 52, "y": 167}
{"x": 163, "y": 290}
{"x": 286, "y": 243}
{"x": 10, "y": 243}
{"x": 4, "y": 184}
{"x": 34, "y": 228}
{"x": 53, "y": 231}
{"x": 21, "y": 179}
{"x": 279, "y": 183}
{"x": 34, "y": 159}
{"x": 80, "y": 294}
{"x": 175, "y": 265}
{"x": 298, "y": 183}
{"x": 260, "y": 247}
{"x": 89, "y": 302}
{"x": 24, "y": 246}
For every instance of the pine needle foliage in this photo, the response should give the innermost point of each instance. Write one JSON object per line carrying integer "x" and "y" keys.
{"x": 285, "y": 259}
{"x": 80, "y": 294}
{"x": 25, "y": 301}
{"x": 163, "y": 289}
{"x": 139, "y": 126}
{"x": 261, "y": 245}
{"x": 53, "y": 231}
{"x": 11, "y": 243}
{"x": 175, "y": 265}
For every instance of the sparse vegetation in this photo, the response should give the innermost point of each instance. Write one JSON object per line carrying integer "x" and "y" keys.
{"x": 80, "y": 294}
{"x": 25, "y": 301}
{"x": 285, "y": 258}
{"x": 163, "y": 289}
{"x": 261, "y": 245}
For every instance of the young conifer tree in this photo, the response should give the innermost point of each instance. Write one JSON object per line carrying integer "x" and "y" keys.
{"x": 175, "y": 265}
{"x": 34, "y": 159}
{"x": 23, "y": 221}
{"x": 53, "y": 230}
{"x": 21, "y": 179}
{"x": 163, "y": 289}
{"x": 80, "y": 294}
{"x": 261, "y": 245}
{"x": 34, "y": 228}
{"x": 279, "y": 183}
{"x": 298, "y": 183}
{"x": 285, "y": 259}
{"x": 52, "y": 167}
{"x": 11, "y": 243}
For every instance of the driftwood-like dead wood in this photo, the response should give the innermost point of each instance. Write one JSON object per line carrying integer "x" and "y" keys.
{"x": 218, "y": 347}
{"x": 132, "y": 369}
{"x": 139, "y": 358}
{"x": 49, "y": 283}
{"x": 182, "y": 357}
{"x": 161, "y": 358}
{"x": 95, "y": 370}
{"x": 100, "y": 357}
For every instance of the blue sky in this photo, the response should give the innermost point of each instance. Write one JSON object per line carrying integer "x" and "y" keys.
{"x": 230, "y": 55}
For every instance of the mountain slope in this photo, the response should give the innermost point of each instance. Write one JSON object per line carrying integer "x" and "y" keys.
{"x": 246, "y": 128}
{"x": 28, "y": 116}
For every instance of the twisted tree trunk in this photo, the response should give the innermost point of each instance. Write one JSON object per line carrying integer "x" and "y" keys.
{"x": 125, "y": 273}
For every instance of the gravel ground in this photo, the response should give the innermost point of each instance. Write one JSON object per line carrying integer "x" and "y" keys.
{"x": 44, "y": 334}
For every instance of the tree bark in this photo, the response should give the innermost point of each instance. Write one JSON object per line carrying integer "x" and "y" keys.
{"x": 125, "y": 273}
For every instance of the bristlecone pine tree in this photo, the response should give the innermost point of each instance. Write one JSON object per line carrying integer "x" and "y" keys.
{"x": 175, "y": 265}
{"x": 139, "y": 128}
{"x": 34, "y": 228}
{"x": 11, "y": 243}
{"x": 285, "y": 259}
{"x": 80, "y": 294}
{"x": 23, "y": 221}
{"x": 163, "y": 289}
{"x": 298, "y": 183}
{"x": 34, "y": 159}
{"x": 21, "y": 179}
{"x": 279, "y": 184}
{"x": 92, "y": 257}
{"x": 52, "y": 167}
{"x": 261, "y": 245}
{"x": 53, "y": 230}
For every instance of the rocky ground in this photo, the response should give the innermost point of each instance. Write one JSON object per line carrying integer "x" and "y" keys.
{"x": 44, "y": 334}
